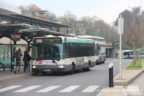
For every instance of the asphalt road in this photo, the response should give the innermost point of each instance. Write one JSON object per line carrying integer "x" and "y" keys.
{"x": 78, "y": 84}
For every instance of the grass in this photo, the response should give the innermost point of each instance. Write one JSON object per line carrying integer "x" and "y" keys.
{"x": 138, "y": 66}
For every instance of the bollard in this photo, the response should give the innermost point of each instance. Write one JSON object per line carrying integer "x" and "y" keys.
{"x": 111, "y": 75}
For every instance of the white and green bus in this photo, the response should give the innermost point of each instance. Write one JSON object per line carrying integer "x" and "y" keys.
{"x": 126, "y": 54}
{"x": 63, "y": 54}
{"x": 102, "y": 47}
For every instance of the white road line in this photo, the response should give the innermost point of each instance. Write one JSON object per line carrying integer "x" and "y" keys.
{"x": 48, "y": 89}
{"x": 70, "y": 88}
{"x": 9, "y": 88}
{"x": 133, "y": 88}
{"x": 28, "y": 88}
{"x": 90, "y": 89}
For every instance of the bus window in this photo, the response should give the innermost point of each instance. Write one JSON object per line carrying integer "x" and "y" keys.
{"x": 65, "y": 51}
{"x": 34, "y": 52}
{"x": 51, "y": 51}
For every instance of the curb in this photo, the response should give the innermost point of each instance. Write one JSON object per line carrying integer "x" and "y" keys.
{"x": 134, "y": 77}
{"x": 15, "y": 77}
{"x": 99, "y": 94}
{"x": 126, "y": 82}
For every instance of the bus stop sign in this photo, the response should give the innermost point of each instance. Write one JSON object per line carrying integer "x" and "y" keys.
{"x": 16, "y": 37}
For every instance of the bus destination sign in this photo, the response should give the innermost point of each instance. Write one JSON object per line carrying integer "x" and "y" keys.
{"x": 48, "y": 40}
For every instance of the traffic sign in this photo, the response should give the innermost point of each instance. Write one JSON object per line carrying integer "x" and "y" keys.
{"x": 120, "y": 25}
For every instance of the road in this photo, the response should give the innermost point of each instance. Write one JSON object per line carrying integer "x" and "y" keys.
{"x": 78, "y": 84}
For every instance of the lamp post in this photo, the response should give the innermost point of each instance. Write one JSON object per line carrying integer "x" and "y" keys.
{"x": 11, "y": 48}
{"x": 120, "y": 31}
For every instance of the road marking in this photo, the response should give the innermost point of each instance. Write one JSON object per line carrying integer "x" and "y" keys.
{"x": 48, "y": 89}
{"x": 133, "y": 88}
{"x": 27, "y": 88}
{"x": 90, "y": 89}
{"x": 70, "y": 88}
{"x": 9, "y": 88}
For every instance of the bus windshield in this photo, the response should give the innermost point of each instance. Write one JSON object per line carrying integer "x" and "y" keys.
{"x": 48, "y": 52}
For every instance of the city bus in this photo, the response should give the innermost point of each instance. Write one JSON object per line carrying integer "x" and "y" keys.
{"x": 63, "y": 54}
{"x": 100, "y": 41}
{"x": 126, "y": 54}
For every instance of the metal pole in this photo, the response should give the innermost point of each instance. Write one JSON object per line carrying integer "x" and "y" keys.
{"x": 120, "y": 64}
{"x": 14, "y": 49}
{"x": 28, "y": 42}
{"x": 11, "y": 57}
{"x": 120, "y": 31}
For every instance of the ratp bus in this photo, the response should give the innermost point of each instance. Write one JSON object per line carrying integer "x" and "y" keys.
{"x": 62, "y": 54}
{"x": 126, "y": 54}
{"x": 100, "y": 41}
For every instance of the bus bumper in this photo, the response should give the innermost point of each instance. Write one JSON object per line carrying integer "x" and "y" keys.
{"x": 51, "y": 68}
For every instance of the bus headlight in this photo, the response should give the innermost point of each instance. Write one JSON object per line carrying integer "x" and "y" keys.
{"x": 61, "y": 66}
{"x": 33, "y": 66}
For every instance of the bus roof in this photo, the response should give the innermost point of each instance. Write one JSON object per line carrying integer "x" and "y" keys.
{"x": 98, "y": 40}
{"x": 127, "y": 50}
{"x": 91, "y": 37}
{"x": 70, "y": 39}
{"x": 76, "y": 40}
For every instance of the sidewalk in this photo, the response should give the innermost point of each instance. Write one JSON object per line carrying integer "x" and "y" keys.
{"x": 135, "y": 88}
{"x": 131, "y": 84}
{"x": 127, "y": 77}
{"x": 137, "y": 84}
{"x": 7, "y": 75}
{"x": 115, "y": 91}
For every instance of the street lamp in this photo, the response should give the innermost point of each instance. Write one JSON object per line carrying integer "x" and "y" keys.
{"x": 120, "y": 31}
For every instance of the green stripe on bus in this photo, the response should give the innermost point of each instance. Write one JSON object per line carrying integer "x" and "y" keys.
{"x": 76, "y": 41}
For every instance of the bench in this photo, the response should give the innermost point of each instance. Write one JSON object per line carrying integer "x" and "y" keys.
{"x": 6, "y": 64}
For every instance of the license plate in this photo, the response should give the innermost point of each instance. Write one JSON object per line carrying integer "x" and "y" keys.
{"x": 47, "y": 70}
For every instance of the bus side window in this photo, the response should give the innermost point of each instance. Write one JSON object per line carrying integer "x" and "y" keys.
{"x": 71, "y": 50}
{"x": 68, "y": 50}
{"x": 65, "y": 51}
{"x": 98, "y": 49}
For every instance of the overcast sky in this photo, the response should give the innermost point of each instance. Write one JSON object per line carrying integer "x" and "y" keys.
{"x": 108, "y": 10}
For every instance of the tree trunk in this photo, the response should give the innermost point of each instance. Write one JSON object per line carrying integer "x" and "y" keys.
{"x": 134, "y": 53}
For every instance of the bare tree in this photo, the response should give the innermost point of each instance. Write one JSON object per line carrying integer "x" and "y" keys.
{"x": 133, "y": 28}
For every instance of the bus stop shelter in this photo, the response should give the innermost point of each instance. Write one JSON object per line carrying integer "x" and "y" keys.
{"x": 19, "y": 26}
